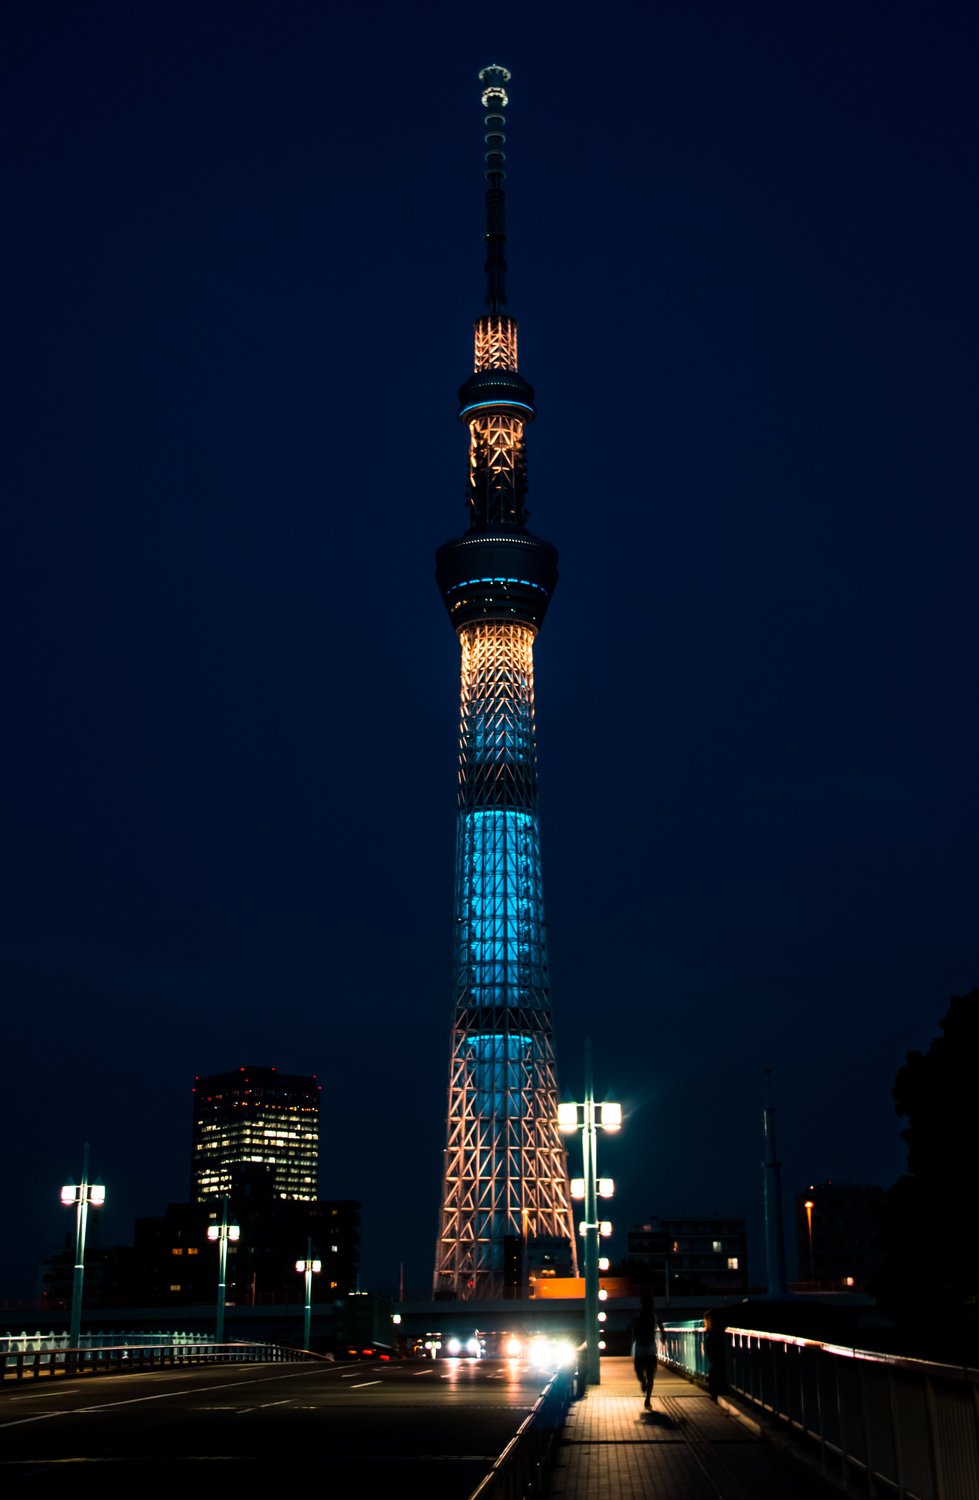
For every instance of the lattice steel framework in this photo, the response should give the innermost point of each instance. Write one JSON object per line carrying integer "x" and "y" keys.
{"x": 506, "y": 1175}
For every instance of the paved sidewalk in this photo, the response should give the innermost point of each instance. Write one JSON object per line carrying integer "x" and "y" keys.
{"x": 686, "y": 1448}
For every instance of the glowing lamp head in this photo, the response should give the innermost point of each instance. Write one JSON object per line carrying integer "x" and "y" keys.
{"x": 606, "y": 1187}
{"x": 567, "y": 1117}
{"x": 611, "y": 1116}
{"x": 605, "y": 1228}
{"x": 234, "y": 1231}
{"x": 300, "y": 1265}
{"x": 96, "y": 1194}
{"x": 577, "y": 1187}
{"x": 68, "y": 1194}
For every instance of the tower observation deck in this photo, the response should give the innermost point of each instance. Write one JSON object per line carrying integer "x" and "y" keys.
{"x": 505, "y": 1198}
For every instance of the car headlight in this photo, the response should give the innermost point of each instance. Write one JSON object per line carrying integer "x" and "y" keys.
{"x": 538, "y": 1353}
{"x": 550, "y": 1354}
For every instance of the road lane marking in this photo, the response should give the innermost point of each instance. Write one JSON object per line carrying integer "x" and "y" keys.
{"x": 364, "y": 1383}
{"x": 137, "y": 1400}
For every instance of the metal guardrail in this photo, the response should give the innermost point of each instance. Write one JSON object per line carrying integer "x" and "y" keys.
{"x": 56, "y": 1361}
{"x": 684, "y": 1346}
{"x": 522, "y": 1468}
{"x": 884, "y": 1425}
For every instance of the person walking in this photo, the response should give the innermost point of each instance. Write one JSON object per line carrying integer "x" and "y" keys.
{"x": 644, "y": 1327}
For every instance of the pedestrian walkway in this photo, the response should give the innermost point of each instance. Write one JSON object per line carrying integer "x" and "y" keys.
{"x": 687, "y": 1447}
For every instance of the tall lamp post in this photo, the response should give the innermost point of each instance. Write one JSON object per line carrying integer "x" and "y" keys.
{"x": 86, "y": 1193}
{"x": 309, "y": 1268}
{"x": 774, "y": 1230}
{"x": 222, "y": 1232}
{"x": 585, "y": 1118}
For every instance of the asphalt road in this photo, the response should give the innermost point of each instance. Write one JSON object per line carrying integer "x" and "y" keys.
{"x": 372, "y": 1429}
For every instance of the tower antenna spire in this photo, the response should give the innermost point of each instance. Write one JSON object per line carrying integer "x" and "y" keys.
{"x": 495, "y": 101}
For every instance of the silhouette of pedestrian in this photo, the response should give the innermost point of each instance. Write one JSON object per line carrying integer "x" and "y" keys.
{"x": 644, "y": 1327}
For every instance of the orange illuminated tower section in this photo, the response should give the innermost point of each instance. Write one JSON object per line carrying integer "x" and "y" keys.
{"x": 506, "y": 1208}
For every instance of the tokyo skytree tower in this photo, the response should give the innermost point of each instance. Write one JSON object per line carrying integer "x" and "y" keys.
{"x": 506, "y": 1207}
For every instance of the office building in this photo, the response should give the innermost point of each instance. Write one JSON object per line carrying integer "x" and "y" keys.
{"x": 255, "y": 1128}
{"x": 837, "y": 1227}
{"x": 689, "y": 1256}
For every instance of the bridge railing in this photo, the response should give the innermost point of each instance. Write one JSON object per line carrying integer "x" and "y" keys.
{"x": 29, "y": 1343}
{"x": 37, "y": 1358}
{"x": 522, "y": 1468}
{"x": 879, "y": 1423}
{"x": 882, "y": 1422}
{"x": 684, "y": 1346}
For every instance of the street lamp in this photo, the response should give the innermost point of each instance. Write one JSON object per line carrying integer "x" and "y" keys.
{"x": 583, "y": 1117}
{"x": 309, "y": 1268}
{"x": 85, "y": 1194}
{"x": 222, "y": 1232}
{"x": 809, "y": 1206}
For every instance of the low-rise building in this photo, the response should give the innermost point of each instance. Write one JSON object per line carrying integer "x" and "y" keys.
{"x": 689, "y": 1256}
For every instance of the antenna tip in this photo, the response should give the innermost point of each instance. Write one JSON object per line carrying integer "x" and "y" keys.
{"x": 493, "y": 79}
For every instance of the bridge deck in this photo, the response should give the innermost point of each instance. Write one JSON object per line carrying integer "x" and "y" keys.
{"x": 686, "y": 1448}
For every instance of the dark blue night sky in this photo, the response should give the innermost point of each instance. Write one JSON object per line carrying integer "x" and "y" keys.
{"x": 242, "y": 259}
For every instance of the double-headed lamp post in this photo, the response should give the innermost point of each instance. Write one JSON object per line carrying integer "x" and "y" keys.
{"x": 309, "y": 1268}
{"x": 222, "y": 1232}
{"x": 586, "y": 1118}
{"x": 81, "y": 1196}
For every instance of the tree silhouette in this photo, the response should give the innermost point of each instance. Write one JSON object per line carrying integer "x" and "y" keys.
{"x": 928, "y": 1282}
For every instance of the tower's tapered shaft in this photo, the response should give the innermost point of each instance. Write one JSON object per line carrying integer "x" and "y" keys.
{"x": 505, "y": 1200}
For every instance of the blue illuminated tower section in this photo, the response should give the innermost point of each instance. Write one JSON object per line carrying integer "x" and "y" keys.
{"x": 505, "y": 1198}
